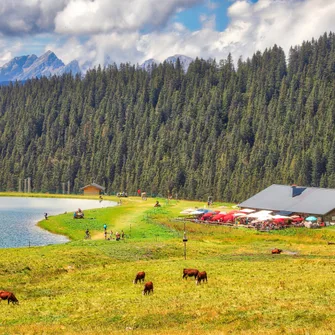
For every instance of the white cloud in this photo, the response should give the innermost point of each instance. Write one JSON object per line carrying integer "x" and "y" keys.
{"x": 285, "y": 23}
{"x": 28, "y": 16}
{"x": 104, "y": 16}
{"x": 240, "y": 9}
{"x": 8, "y": 50}
{"x": 85, "y": 16}
{"x": 252, "y": 27}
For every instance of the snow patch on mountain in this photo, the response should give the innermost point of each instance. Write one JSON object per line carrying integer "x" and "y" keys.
{"x": 147, "y": 65}
{"x": 185, "y": 62}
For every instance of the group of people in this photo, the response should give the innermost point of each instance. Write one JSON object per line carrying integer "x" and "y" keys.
{"x": 118, "y": 235}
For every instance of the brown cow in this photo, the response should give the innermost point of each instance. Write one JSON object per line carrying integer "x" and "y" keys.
{"x": 9, "y": 296}
{"x": 139, "y": 277}
{"x": 201, "y": 277}
{"x": 148, "y": 287}
{"x": 190, "y": 273}
{"x": 276, "y": 251}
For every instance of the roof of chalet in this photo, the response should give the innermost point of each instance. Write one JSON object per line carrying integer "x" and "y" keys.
{"x": 94, "y": 185}
{"x": 295, "y": 199}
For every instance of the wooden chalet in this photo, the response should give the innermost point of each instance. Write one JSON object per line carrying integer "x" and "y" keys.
{"x": 93, "y": 189}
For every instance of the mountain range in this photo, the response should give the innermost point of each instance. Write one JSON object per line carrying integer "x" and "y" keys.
{"x": 30, "y": 66}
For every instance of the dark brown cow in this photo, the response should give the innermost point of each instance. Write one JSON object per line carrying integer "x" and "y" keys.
{"x": 202, "y": 276}
{"x": 148, "y": 287}
{"x": 139, "y": 277}
{"x": 190, "y": 273}
{"x": 276, "y": 251}
{"x": 9, "y": 296}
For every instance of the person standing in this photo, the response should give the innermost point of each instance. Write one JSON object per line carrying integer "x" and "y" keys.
{"x": 111, "y": 235}
{"x": 105, "y": 227}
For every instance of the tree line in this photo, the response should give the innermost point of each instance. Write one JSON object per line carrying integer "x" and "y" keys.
{"x": 219, "y": 129}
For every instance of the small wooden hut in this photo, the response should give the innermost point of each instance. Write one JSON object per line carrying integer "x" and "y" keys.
{"x": 93, "y": 189}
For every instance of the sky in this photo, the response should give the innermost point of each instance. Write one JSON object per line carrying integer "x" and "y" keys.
{"x": 93, "y": 31}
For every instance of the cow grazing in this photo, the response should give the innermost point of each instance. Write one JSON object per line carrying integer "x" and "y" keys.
{"x": 9, "y": 296}
{"x": 148, "y": 287}
{"x": 276, "y": 251}
{"x": 139, "y": 277}
{"x": 190, "y": 273}
{"x": 202, "y": 276}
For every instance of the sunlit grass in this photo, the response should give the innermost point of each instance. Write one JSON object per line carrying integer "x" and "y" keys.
{"x": 86, "y": 286}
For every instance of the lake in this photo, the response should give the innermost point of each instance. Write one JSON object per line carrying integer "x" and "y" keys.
{"x": 19, "y": 216}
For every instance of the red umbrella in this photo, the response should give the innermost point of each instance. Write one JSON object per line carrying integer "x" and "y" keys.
{"x": 228, "y": 217}
{"x": 207, "y": 216}
{"x": 218, "y": 217}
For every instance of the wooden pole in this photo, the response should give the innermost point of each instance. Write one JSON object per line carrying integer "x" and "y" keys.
{"x": 29, "y": 184}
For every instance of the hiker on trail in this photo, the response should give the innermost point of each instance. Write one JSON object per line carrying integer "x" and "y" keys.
{"x": 105, "y": 228}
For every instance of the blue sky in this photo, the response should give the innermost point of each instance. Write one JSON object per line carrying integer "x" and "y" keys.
{"x": 190, "y": 17}
{"x": 93, "y": 31}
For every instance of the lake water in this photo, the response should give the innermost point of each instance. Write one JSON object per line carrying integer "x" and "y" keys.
{"x": 18, "y": 218}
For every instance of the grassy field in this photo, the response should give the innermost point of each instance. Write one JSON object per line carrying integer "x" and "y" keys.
{"x": 85, "y": 286}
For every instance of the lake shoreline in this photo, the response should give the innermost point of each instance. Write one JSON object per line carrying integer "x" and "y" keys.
{"x": 22, "y": 224}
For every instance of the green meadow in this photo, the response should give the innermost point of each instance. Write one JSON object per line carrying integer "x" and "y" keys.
{"x": 85, "y": 286}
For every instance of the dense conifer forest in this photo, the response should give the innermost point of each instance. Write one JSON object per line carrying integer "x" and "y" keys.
{"x": 220, "y": 129}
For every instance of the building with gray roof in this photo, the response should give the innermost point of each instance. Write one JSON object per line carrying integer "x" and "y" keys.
{"x": 295, "y": 199}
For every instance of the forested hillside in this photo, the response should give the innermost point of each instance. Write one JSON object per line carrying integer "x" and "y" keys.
{"x": 221, "y": 130}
